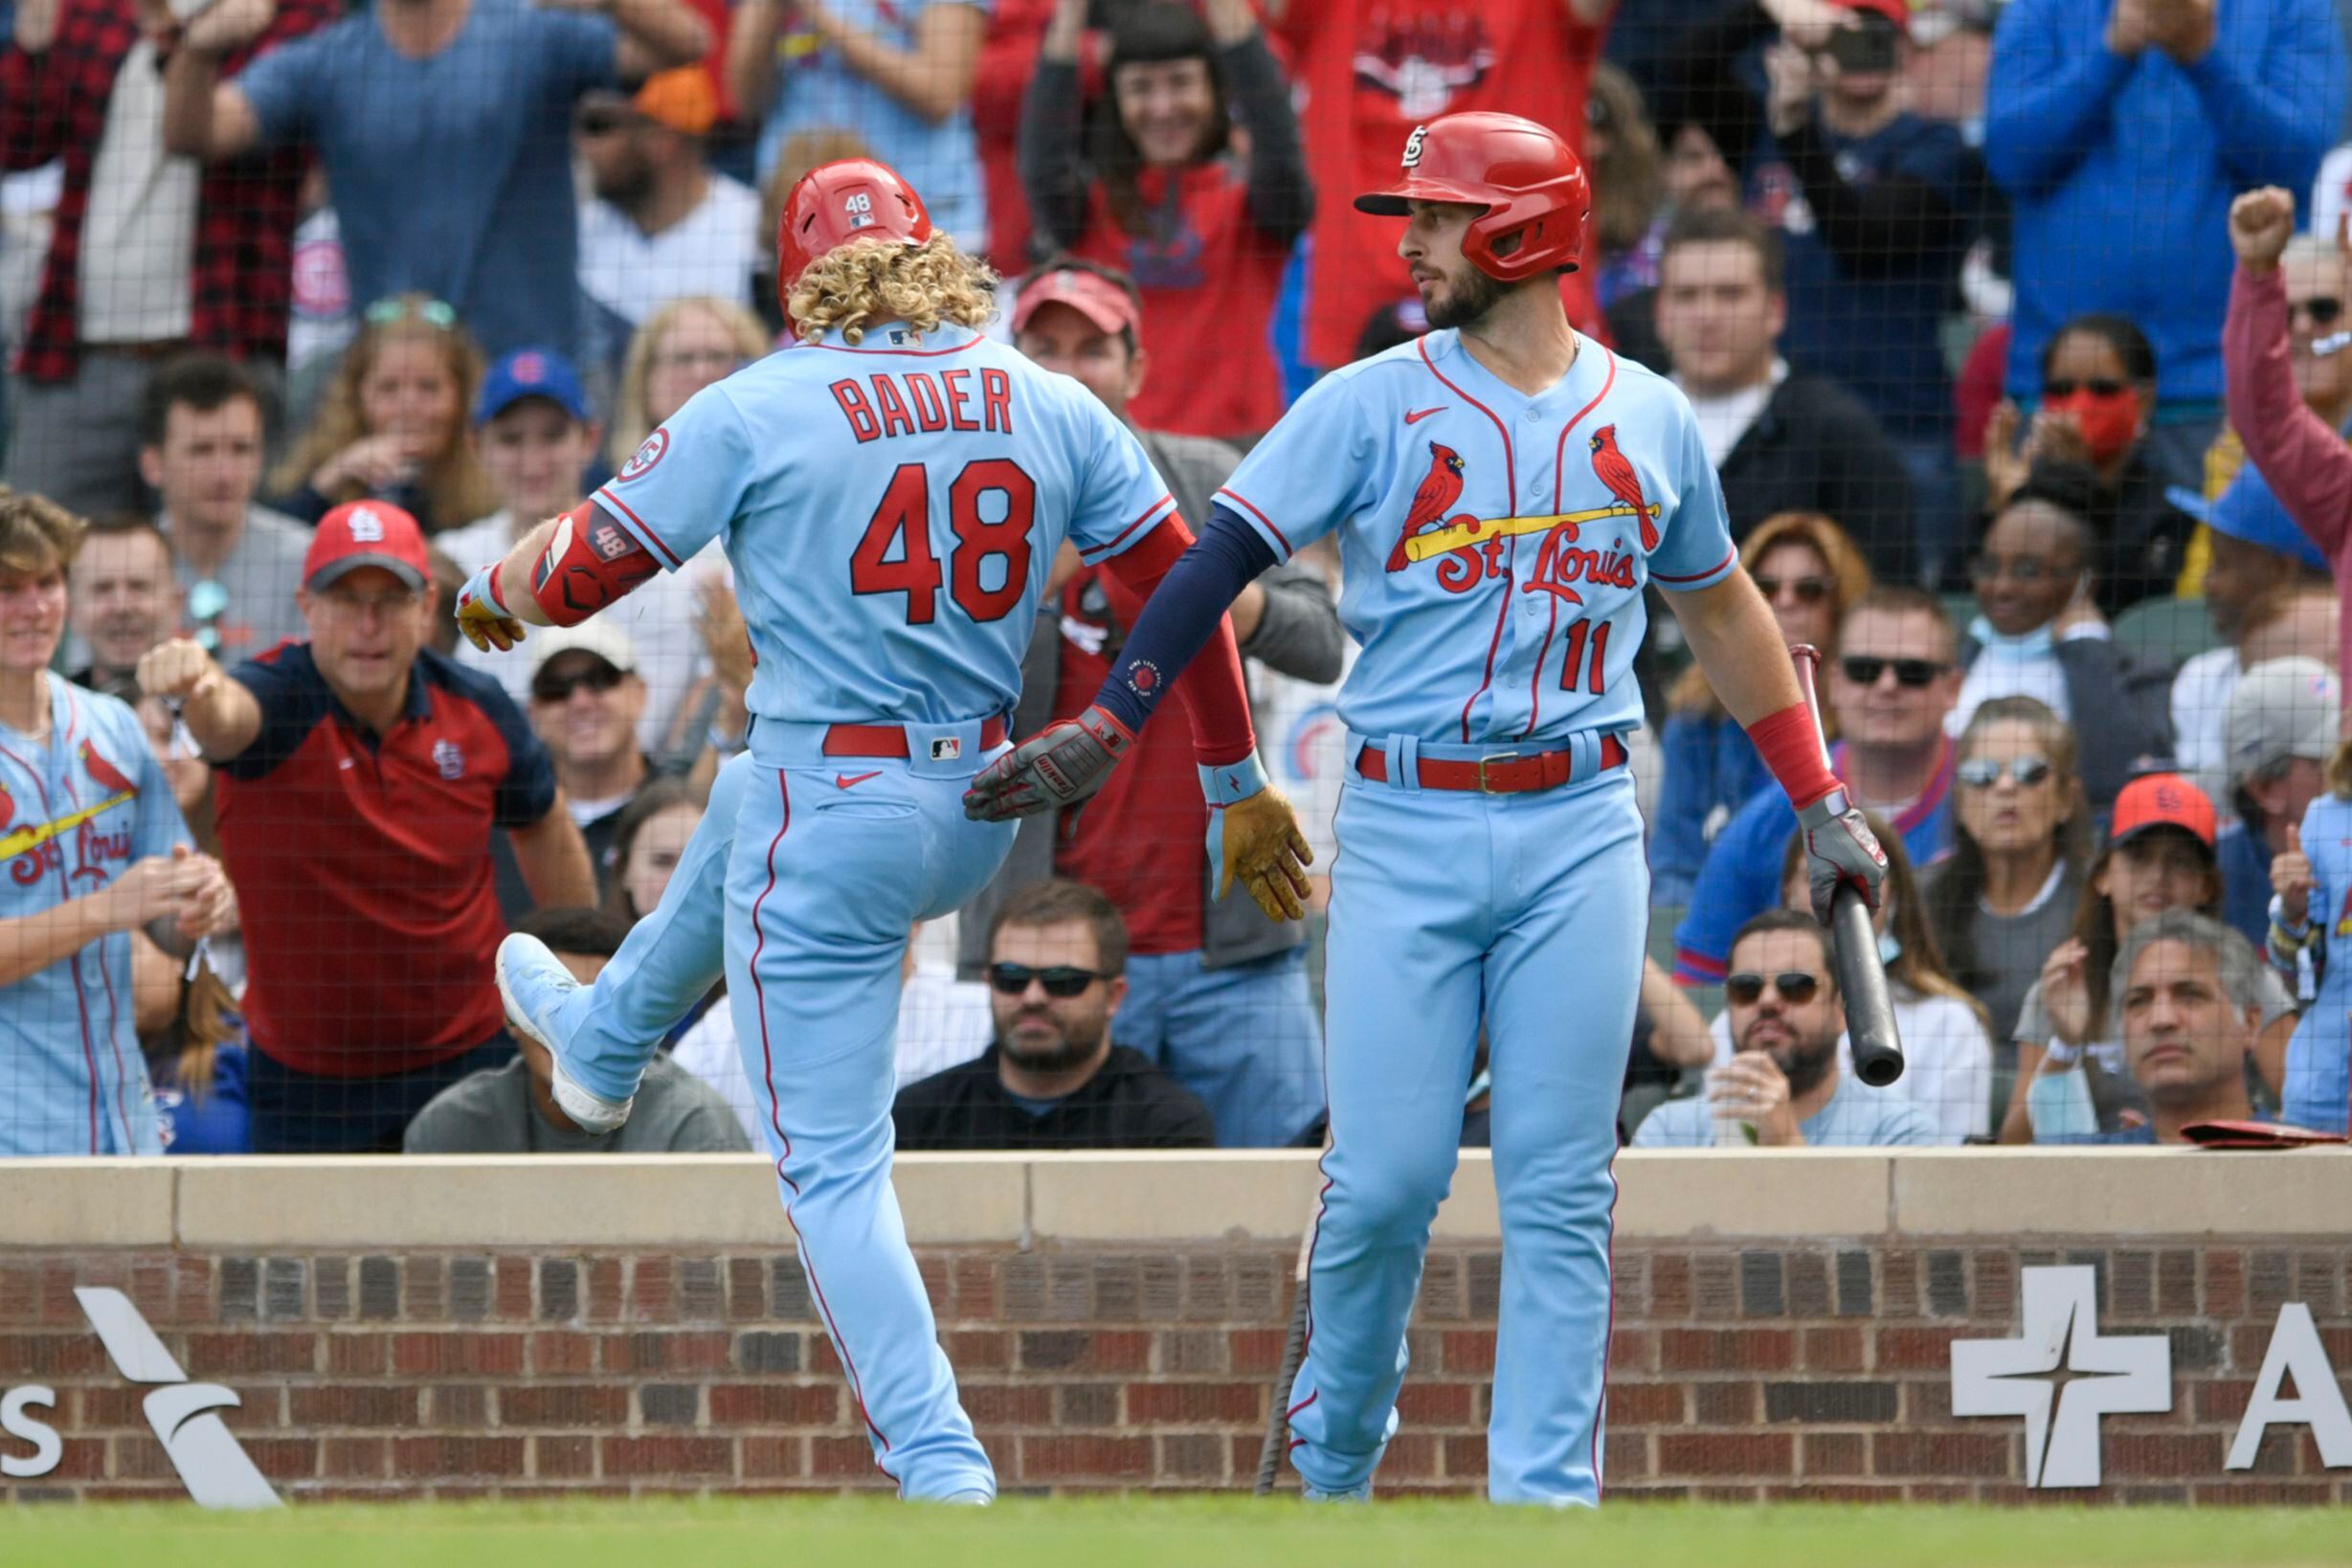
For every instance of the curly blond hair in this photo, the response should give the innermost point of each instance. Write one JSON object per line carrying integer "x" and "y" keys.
{"x": 867, "y": 281}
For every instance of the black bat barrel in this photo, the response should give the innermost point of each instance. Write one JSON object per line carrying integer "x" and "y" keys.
{"x": 1870, "y": 1013}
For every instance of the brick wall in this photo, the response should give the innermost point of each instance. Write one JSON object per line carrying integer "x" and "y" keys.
{"x": 1738, "y": 1370}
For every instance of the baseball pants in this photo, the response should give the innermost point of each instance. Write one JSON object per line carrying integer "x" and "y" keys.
{"x": 1450, "y": 908}
{"x": 823, "y": 873}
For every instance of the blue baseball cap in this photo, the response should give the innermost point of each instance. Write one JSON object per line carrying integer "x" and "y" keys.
{"x": 532, "y": 372}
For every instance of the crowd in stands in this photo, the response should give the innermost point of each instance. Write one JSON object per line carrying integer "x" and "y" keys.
{"x": 2029, "y": 394}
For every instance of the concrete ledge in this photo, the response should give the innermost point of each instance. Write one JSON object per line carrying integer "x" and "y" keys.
{"x": 85, "y": 1202}
{"x": 730, "y": 1201}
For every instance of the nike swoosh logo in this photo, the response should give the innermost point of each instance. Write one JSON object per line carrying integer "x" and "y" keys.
{"x": 1419, "y": 415}
{"x": 845, "y": 780}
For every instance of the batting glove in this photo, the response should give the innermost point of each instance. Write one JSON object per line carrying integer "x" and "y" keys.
{"x": 483, "y": 617}
{"x": 1059, "y": 766}
{"x": 1254, "y": 839}
{"x": 1839, "y": 847}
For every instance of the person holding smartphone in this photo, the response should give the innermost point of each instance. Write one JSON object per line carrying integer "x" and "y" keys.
{"x": 1874, "y": 206}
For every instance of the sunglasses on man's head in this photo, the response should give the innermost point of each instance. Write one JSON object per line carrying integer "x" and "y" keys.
{"x": 1061, "y": 981}
{"x": 558, "y": 686}
{"x": 2098, "y": 385}
{"x": 1794, "y": 985}
{"x": 2323, "y": 309}
{"x": 1983, "y": 773}
{"x": 1864, "y": 670}
{"x": 1808, "y": 590}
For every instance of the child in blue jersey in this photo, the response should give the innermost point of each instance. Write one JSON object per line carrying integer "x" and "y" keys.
{"x": 96, "y": 850}
{"x": 2311, "y": 937}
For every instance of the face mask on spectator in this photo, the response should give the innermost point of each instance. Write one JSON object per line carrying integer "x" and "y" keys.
{"x": 2110, "y": 420}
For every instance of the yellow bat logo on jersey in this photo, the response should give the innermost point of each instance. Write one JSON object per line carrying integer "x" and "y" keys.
{"x": 1424, "y": 547}
{"x": 36, "y": 834}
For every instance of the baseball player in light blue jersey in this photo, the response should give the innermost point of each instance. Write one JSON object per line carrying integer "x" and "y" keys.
{"x": 95, "y": 849}
{"x": 891, "y": 494}
{"x": 1503, "y": 491}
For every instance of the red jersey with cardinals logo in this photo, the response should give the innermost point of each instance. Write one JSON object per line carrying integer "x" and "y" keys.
{"x": 1139, "y": 840}
{"x": 1374, "y": 69}
{"x": 362, "y": 863}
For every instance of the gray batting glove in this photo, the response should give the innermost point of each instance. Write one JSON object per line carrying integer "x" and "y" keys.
{"x": 1839, "y": 847}
{"x": 1059, "y": 766}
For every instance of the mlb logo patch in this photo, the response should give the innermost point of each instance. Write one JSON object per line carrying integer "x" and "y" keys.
{"x": 947, "y": 749}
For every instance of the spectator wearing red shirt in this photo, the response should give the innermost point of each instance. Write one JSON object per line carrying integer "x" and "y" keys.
{"x": 1374, "y": 69}
{"x": 1193, "y": 181}
{"x": 1216, "y": 991}
{"x": 149, "y": 252}
{"x": 360, "y": 777}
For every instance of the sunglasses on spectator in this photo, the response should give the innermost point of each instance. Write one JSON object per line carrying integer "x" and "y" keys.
{"x": 1808, "y": 590}
{"x": 1061, "y": 981}
{"x": 2323, "y": 309}
{"x": 1864, "y": 670}
{"x": 1747, "y": 988}
{"x": 2097, "y": 387}
{"x": 1983, "y": 773}
{"x": 396, "y": 308}
{"x": 558, "y": 686}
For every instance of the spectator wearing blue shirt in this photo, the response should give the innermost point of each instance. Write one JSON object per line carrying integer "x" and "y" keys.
{"x": 1784, "y": 1086}
{"x": 2120, "y": 130}
{"x": 896, "y": 73}
{"x": 2190, "y": 993}
{"x": 1891, "y": 687}
{"x": 445, "y": 128}
{"x": 1811, "y": 575}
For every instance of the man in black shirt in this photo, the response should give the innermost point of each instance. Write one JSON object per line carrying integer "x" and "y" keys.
{"x": 1053, "y": 1080}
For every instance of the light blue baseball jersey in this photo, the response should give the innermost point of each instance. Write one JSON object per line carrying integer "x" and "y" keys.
{"x": 891, "y": 512}
{"x": 1494, "y": 545}
{"x": 75, "y": 814}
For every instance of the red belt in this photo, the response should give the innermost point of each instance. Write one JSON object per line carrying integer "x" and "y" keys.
{"x": 889, "y": 740}
{"x": 1506, "y": 772}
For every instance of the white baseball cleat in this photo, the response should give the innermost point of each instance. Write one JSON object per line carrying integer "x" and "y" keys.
{"x": 533, "y": 983}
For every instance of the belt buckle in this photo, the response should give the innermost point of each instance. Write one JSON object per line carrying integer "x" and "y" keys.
{"x": 1484, "y": 787}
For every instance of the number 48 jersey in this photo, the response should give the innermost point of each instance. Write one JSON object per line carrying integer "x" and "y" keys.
{"x": 891, "y": 512}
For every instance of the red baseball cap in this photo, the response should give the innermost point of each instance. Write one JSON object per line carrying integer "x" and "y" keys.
{"x": 2162, "y": 800}
{"x": 367, "y": 534}
{"x": 1897, "y": 12}
{"x": 1091, "y": 295}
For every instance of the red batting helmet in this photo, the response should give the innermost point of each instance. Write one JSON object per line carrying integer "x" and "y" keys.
{"x": 833, "y": 204}
{"x": 1528, "y": 180}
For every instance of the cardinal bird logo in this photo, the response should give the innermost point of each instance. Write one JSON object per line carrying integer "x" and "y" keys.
{"x": 1611, "y": 467}
{"x": 1439, "y": 490}
{"x": 108, "y": 777}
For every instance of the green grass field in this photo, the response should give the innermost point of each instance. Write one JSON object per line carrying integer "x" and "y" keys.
{"x": 1138, "y": 1532}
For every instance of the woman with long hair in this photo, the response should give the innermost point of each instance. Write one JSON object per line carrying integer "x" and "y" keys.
{"x": 1627, "y": 167}
{"x": 683, "y": 347}
{"x": 1947, "y": 1033}
{"x": 2021, "y": 835}
{"x": 1193, "y": 182}
{"x": 391, "y": 424}
{"x": 1811, "y": 575}
{"x": 2068, "y": 1035}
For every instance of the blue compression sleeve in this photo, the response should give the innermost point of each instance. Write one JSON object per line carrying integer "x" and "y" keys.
{"x": 1182, "y": 614}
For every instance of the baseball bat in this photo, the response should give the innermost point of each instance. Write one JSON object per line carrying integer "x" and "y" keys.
{"x": 1293, "y": 1347}
{"x": 1861, "y": 979}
